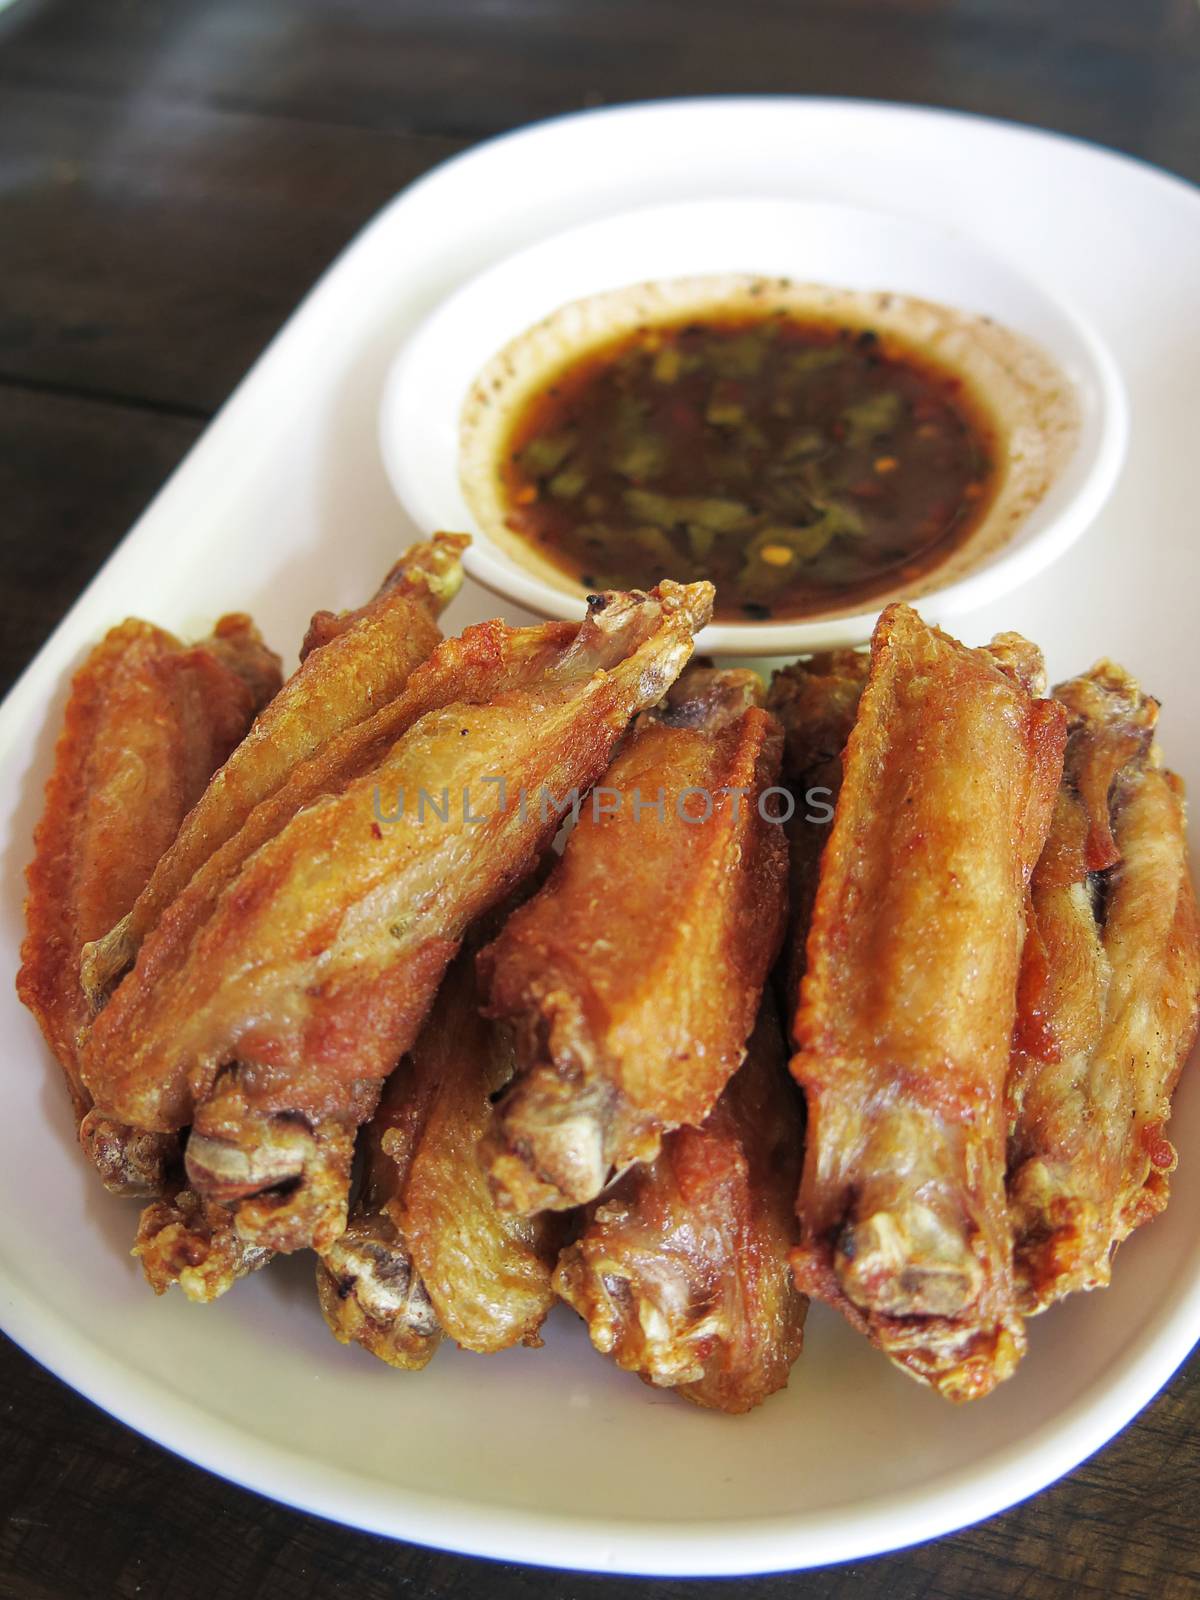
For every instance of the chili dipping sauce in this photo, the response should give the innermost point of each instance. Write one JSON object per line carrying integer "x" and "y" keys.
{"x": 803, "y": 467}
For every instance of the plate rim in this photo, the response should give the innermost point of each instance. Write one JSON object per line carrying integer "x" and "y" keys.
{"x": 649, "y": 1548}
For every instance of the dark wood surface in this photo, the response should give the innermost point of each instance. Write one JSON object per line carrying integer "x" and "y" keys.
{"x": 173, "y": 176}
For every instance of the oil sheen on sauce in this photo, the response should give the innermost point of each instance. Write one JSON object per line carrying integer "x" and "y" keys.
{"x": 802, "y": 466}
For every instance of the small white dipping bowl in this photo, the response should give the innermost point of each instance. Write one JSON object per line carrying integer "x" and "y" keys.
{"x": 842, "y": 246}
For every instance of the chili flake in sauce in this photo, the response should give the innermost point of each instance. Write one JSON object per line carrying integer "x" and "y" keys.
{"x": 800, "y": 465}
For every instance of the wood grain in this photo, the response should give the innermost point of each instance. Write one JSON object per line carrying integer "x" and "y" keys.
{"x": 1107, "y": 70}
{"x": 93, "y": 1510}
{"x": 173, "y": 176}
{"x": 74, "y": 474}
{"x": 153, "y": 248}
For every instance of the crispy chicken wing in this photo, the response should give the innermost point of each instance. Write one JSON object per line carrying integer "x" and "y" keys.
{"x": 427, "y": 1250}
{"x": 908, "y": 1001}
{"x": 147, "y": 722}
{"x": 351, "y": 665}
{"x": 633, "y": 978}
{"x": 268, "y": 1006}
{"x": 1108, "y": 997}
{"x": 681, "y": 1272}
{"x": 288, "y": 762}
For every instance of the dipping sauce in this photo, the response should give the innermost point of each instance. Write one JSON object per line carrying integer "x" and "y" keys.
{"x": 802, "y": 466}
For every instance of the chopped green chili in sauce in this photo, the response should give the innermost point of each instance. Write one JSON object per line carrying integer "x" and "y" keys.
{"x": 801, "y": 466}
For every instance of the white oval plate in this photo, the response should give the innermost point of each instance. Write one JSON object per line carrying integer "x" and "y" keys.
{"x": 850, "y": 247}
{"x": 552, "y": 1456}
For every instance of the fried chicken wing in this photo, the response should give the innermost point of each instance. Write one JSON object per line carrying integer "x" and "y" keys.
{"x": 183, "y": 1237}
{"x": 1108, "y": 996}
{"x": 681, "y": 1271}
{"x": 427, "y": 1250}
{"x": 908, "y": 1001}
{"x": 351, "y": 665}
{"x": 147, "y": 722}
{"x": 269, "y": 1005}
{"x": 632, "y": 980}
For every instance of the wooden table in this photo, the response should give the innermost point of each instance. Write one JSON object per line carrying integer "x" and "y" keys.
{"x": 174, "y": 174}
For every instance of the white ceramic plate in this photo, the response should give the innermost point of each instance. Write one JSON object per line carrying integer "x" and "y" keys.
{"x": 552, "y": 1456}
{"x": 852, "y": 247}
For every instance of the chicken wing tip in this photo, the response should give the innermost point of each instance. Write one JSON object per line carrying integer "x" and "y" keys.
{"x": 371, "y": 1294}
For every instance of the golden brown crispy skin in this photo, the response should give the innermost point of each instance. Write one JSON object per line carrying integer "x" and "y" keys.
{"x": 907, "y": 1005}
{"x": 238, "y": 646}
{"x": 193, "y": 1242}
{"x": 487, "y": 1273}
{"x": 816, "y": 702}
{"x": 1108, "y": 997}
{"x": 681, "y": 1272}
{"x": 268, "y": 1012}
{"x": 365, "y": 658}
{"x": 147, "y": 722}
{"x": 427, "y": 1250}
{"x": 430, "y": 574}
{"x": 370, "y": 1292}
{"x": 632, "y": 980}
